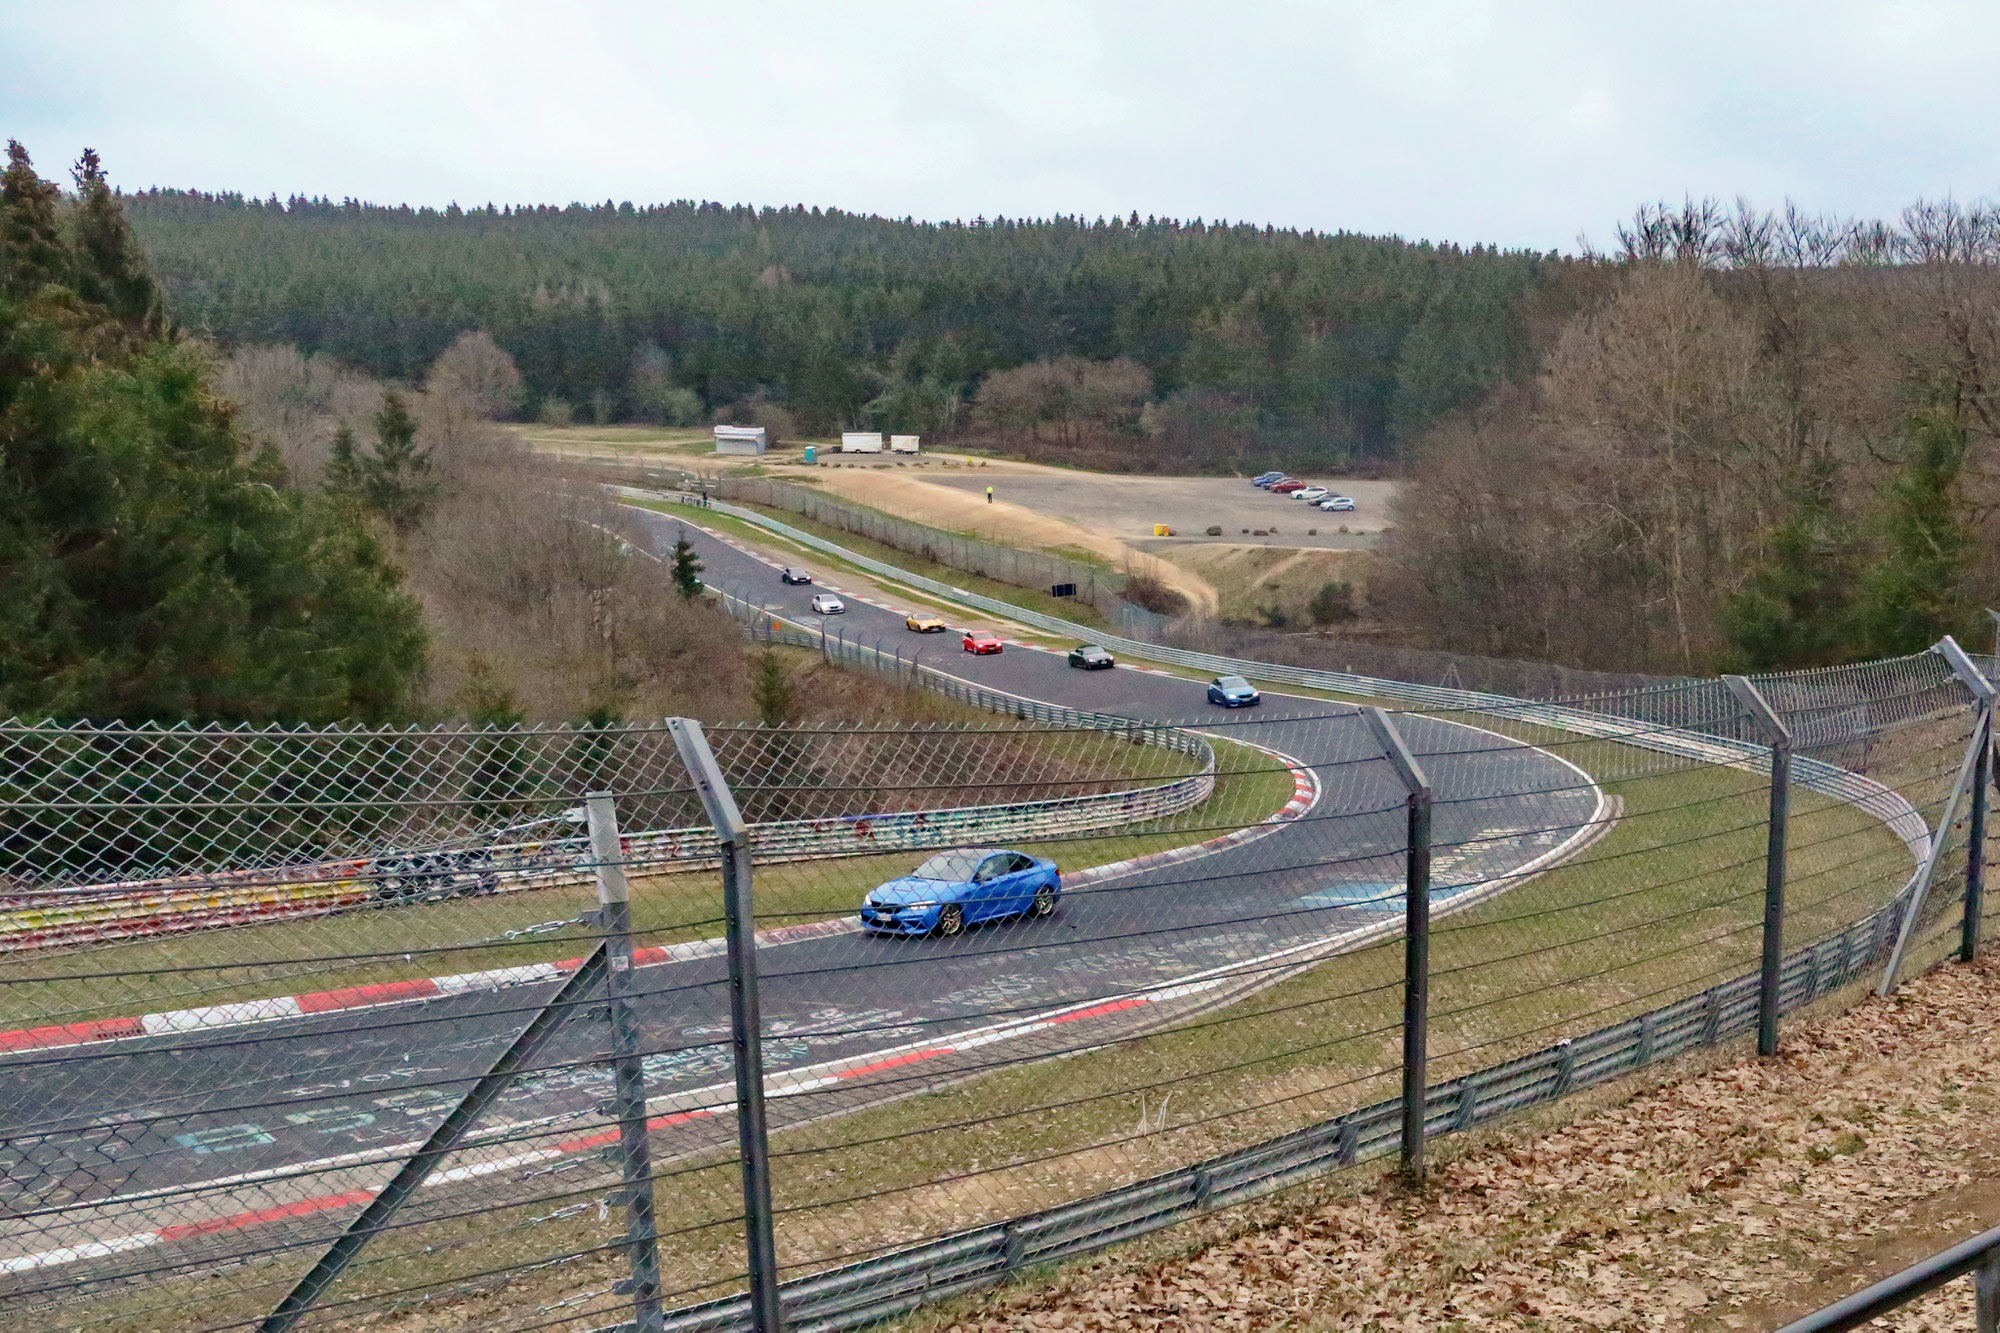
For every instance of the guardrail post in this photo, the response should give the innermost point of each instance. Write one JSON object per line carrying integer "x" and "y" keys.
{"x": 1779, "y": 738}
{"x": 745, "y": 1022}
{"x": 628, "y": 1067}
{"x": 1416, "y": 933}
{"x": 1986, "y": 1295}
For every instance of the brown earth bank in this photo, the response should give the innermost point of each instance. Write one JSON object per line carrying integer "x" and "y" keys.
{"x": 1735, "y": 1198}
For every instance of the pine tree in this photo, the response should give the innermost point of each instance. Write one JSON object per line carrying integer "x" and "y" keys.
{"x": 687, "y": 569}
{"x": 393, "y": 479}
{"x": 111, "y": 270}
{"x": 1797, "y": 607}
{"x": 1916, "y": 595}
{"x": 772, "y": 691}
{"x": 151, "y": 567}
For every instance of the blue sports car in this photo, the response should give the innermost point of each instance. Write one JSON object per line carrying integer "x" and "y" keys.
{"x": 1233, "y": 692}
{"x": 954, "y": 889}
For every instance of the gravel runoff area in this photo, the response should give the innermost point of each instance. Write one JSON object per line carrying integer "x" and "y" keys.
{"x": 1740, "y": 1196}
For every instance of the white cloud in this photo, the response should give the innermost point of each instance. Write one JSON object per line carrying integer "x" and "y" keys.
{"x": 1521, "y": 123}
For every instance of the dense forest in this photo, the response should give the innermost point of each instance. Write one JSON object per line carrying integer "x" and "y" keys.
{"x": 1200, "y": 344}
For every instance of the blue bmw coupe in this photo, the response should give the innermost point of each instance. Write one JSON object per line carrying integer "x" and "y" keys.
{"x": 955, "y": 889}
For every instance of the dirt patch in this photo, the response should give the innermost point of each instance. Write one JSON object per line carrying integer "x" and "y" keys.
{"x": 1250, "y": 581}
{"x": 1126, "y": 508}
{"x": 965, "y": 509}
{"x": 1737, "y": 1198}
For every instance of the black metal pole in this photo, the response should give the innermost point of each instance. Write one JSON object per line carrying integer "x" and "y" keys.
{"x": 1774, "y": 899}
{"x": 1975, "y": 840}
{"x": 1416, "y": 980}
{"x": 628, "y": 1068}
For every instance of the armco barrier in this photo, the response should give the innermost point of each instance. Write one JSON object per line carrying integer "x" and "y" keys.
{"x": 50, "y": 919}
{"x": 891, "y": 1284}
{"x": 887, "y": 1285}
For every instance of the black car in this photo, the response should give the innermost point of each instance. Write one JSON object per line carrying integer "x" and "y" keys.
{"x": 791, "y": 575}
{"x": 1089, "y": 657}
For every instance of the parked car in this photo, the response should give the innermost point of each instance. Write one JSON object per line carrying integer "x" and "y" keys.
{"x": 1337, "y": 504}
{"x": 1266, "y": 478}
{"x": 827, "y": 604}
{"x": 922, "y": 624}
{"x": 1090, "y": 657}
{"x": 1287, "y": 486}
{"x": 956, "y": 889}
{"x": 981, "y": 641}
{"x": 792, "y": 574}
{"x": 1233, "y": 692}
{"x": 1267, "y": 485}
{"x": 1311, "y": 494}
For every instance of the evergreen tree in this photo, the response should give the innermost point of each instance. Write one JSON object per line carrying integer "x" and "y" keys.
{"x": 392, "y": 479}
{"x": 1915, "y": 594}
{"x": 150, "y": 565}
{"x": 772, "y": 691}
{"x": 1797, "y": 607}
{"x": 687, "y": 569}
{"x": 111, "y": 271}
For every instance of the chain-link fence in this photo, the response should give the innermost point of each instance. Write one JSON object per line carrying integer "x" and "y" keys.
{"x": 648, "y": 1027}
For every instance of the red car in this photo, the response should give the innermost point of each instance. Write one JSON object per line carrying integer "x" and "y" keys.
{"x": 1287, "y": 487}
{"x": 981, "y": 641}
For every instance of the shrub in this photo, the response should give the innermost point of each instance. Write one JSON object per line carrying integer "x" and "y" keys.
{"x": 556, "y": 412}
{"x": 1215, "y": 529}
{"x": 1333, "y": 604}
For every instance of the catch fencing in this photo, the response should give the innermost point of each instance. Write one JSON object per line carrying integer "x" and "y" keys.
{"x": 713, "y": 1085}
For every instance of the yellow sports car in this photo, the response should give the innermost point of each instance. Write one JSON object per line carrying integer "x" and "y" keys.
{"x": 919, "y": 624}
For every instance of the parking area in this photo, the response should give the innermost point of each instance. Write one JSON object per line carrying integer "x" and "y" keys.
{"x": 1128, "y": 507}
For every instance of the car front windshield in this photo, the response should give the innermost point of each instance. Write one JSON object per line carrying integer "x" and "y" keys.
{"x": 1232, "y": 682}
{"x": 953, "y": 867}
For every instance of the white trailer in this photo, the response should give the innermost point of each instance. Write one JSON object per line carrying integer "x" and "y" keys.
{"x": 902, "y": 444}
{"x": 860, "y": 442}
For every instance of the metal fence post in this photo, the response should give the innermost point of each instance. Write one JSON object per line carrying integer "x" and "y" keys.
{"x": 1986, "y": 1295}
{"x": 1982, "y": 693}
{"x": 1982, "y": 775}
{"x": 1779, "y": 738}
{"x": 628, "y": 1067}
{"x": 1416, "y": 933}
{"x": 745, "y": 1023}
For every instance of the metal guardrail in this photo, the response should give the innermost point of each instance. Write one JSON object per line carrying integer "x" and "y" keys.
{"x": 1979, "y": 1257}
{"x": 891, "y": 1284}
{"x": 887, "y": 1285}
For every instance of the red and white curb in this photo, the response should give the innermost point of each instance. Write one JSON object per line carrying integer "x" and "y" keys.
{"x": 1305, "y": 793}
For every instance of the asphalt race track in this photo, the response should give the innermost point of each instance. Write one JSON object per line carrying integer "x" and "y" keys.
{"x": 125, "y": 1155}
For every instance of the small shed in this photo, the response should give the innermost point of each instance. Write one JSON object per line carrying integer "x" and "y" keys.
{"x": 861, "y": 442}
{"x": 902, "y": 444}
{"x": 740, "y": 440}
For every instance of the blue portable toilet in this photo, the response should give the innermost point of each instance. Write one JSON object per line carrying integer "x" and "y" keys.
{"x": 811, "y": 453}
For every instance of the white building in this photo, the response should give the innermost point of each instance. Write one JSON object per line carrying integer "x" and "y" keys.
{"x": 740, "y": 440}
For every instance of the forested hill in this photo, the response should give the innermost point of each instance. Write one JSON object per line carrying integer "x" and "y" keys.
{"x": 1311, "y": 347}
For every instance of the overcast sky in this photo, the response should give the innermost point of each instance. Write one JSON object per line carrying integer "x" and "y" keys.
{"x": 1522, "y": 123}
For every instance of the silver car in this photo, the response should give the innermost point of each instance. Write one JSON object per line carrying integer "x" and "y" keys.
{"x": 827, "y": 604}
